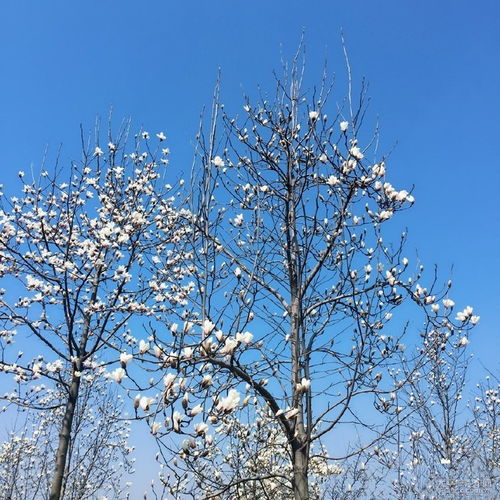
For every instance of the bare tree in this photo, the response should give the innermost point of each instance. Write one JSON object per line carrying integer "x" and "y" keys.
{"x": 77, "y": 251}
{"x": 297, "y": 299}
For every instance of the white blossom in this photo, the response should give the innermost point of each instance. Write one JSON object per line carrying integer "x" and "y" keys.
{"x": 196, "y": 410}
{"x": 448, "y": 303}
{"x": 385, "y": 214}
{"x": 118, "y": 374}
{"x": 313, "y": 115}
{"x": 145, "y": 402}
{"x": 143, "y": 347}
{"x": 218, "y": 162}
{"x": 465, "y": 314}
{"x": 126, "y": 358}
{"x": 238, "y": 220}
{"x": 229, "y": 346}
{"x": 155, "y": 428}
{"x": 207, "y": 327}
{"x": 230, "y": 402}
{"x": 246, "y": 337}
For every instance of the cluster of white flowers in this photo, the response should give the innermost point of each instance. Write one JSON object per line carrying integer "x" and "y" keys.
{"x": 466, "y": 314}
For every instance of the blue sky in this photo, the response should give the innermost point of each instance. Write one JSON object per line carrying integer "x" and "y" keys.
{"x": 432, "y": 67}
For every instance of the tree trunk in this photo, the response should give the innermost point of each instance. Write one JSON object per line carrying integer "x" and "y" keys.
{"x": 64, "y": 438}
{"x": 300, "y": 479}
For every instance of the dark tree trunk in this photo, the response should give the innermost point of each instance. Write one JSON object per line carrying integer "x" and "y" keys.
{"x": 64, "y": 439}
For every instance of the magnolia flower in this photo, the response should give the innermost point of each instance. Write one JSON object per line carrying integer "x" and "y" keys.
{"x": 218, "y": 162}
{"x": 230, "y": 402}
{"x": 137, "y": 401}
{"x": 344, "y": 126}
{"x": 313, "y": 115}
{"x": 111, "y": 146}
{"x": 401, "y": 195}
{"x": 229, "y": 346}
{"x": 332, "y": 180}
{"x": 384, "y": 215}
{"x": 391, "y": 279}
{"x": 465, "y": 314}
{"x": 303, "y": 385}
{"x": 356, "y": 153}
{"x": 238, "y": 220}
{"x": 187, "y": 353}
{"x": 378, "y": 169}
{"x": 98, "y": 151}
{"x": 126, "y": 358}
{"x": 196, "y": 410}
{"x": 237, "y": 272}
{"x": 176, "y": 420}
{"x": 246, "y": 337}
{"x": 207, "y": 327}
{"x": 448, "y": 303}
{"x": 323, "y": 158}
{"x": 118, "y": 375}
{"x": 143, "y": 347}
{"x": 200, "y": 428}
{"x": 145, "y": 402}
{"x": 463, "y": 342}
{"x": 161, "y": 136}
{"x": 155, "y": 428}
{"x": 168, "y": 380}
{"x": 207, "y": 381}
{"x": 474, "y": 319}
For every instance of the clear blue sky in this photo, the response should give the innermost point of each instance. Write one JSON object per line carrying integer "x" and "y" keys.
{"x": 433, "y": 69}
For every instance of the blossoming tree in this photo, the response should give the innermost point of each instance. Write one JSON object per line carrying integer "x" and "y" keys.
{"x": 76, "y": 260}
{"x": 298, "y": 300}
{"x": 98, "y": 455}
{"x": 447, "y": 448}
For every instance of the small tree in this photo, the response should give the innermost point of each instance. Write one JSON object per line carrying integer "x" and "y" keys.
{"x": 431, "y": 445}
{"x": 448, "y": 447}
{"x": 297, "y": 298}
{"x": 77, "y": 258}
{"x": 98, "y": 453}
{"x": 248, "y": 458}
{"x": 483, "y": 432}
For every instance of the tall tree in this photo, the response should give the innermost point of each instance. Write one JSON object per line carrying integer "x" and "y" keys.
{"x": 297, "y": 298}
{"x": 78, "y": 249}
